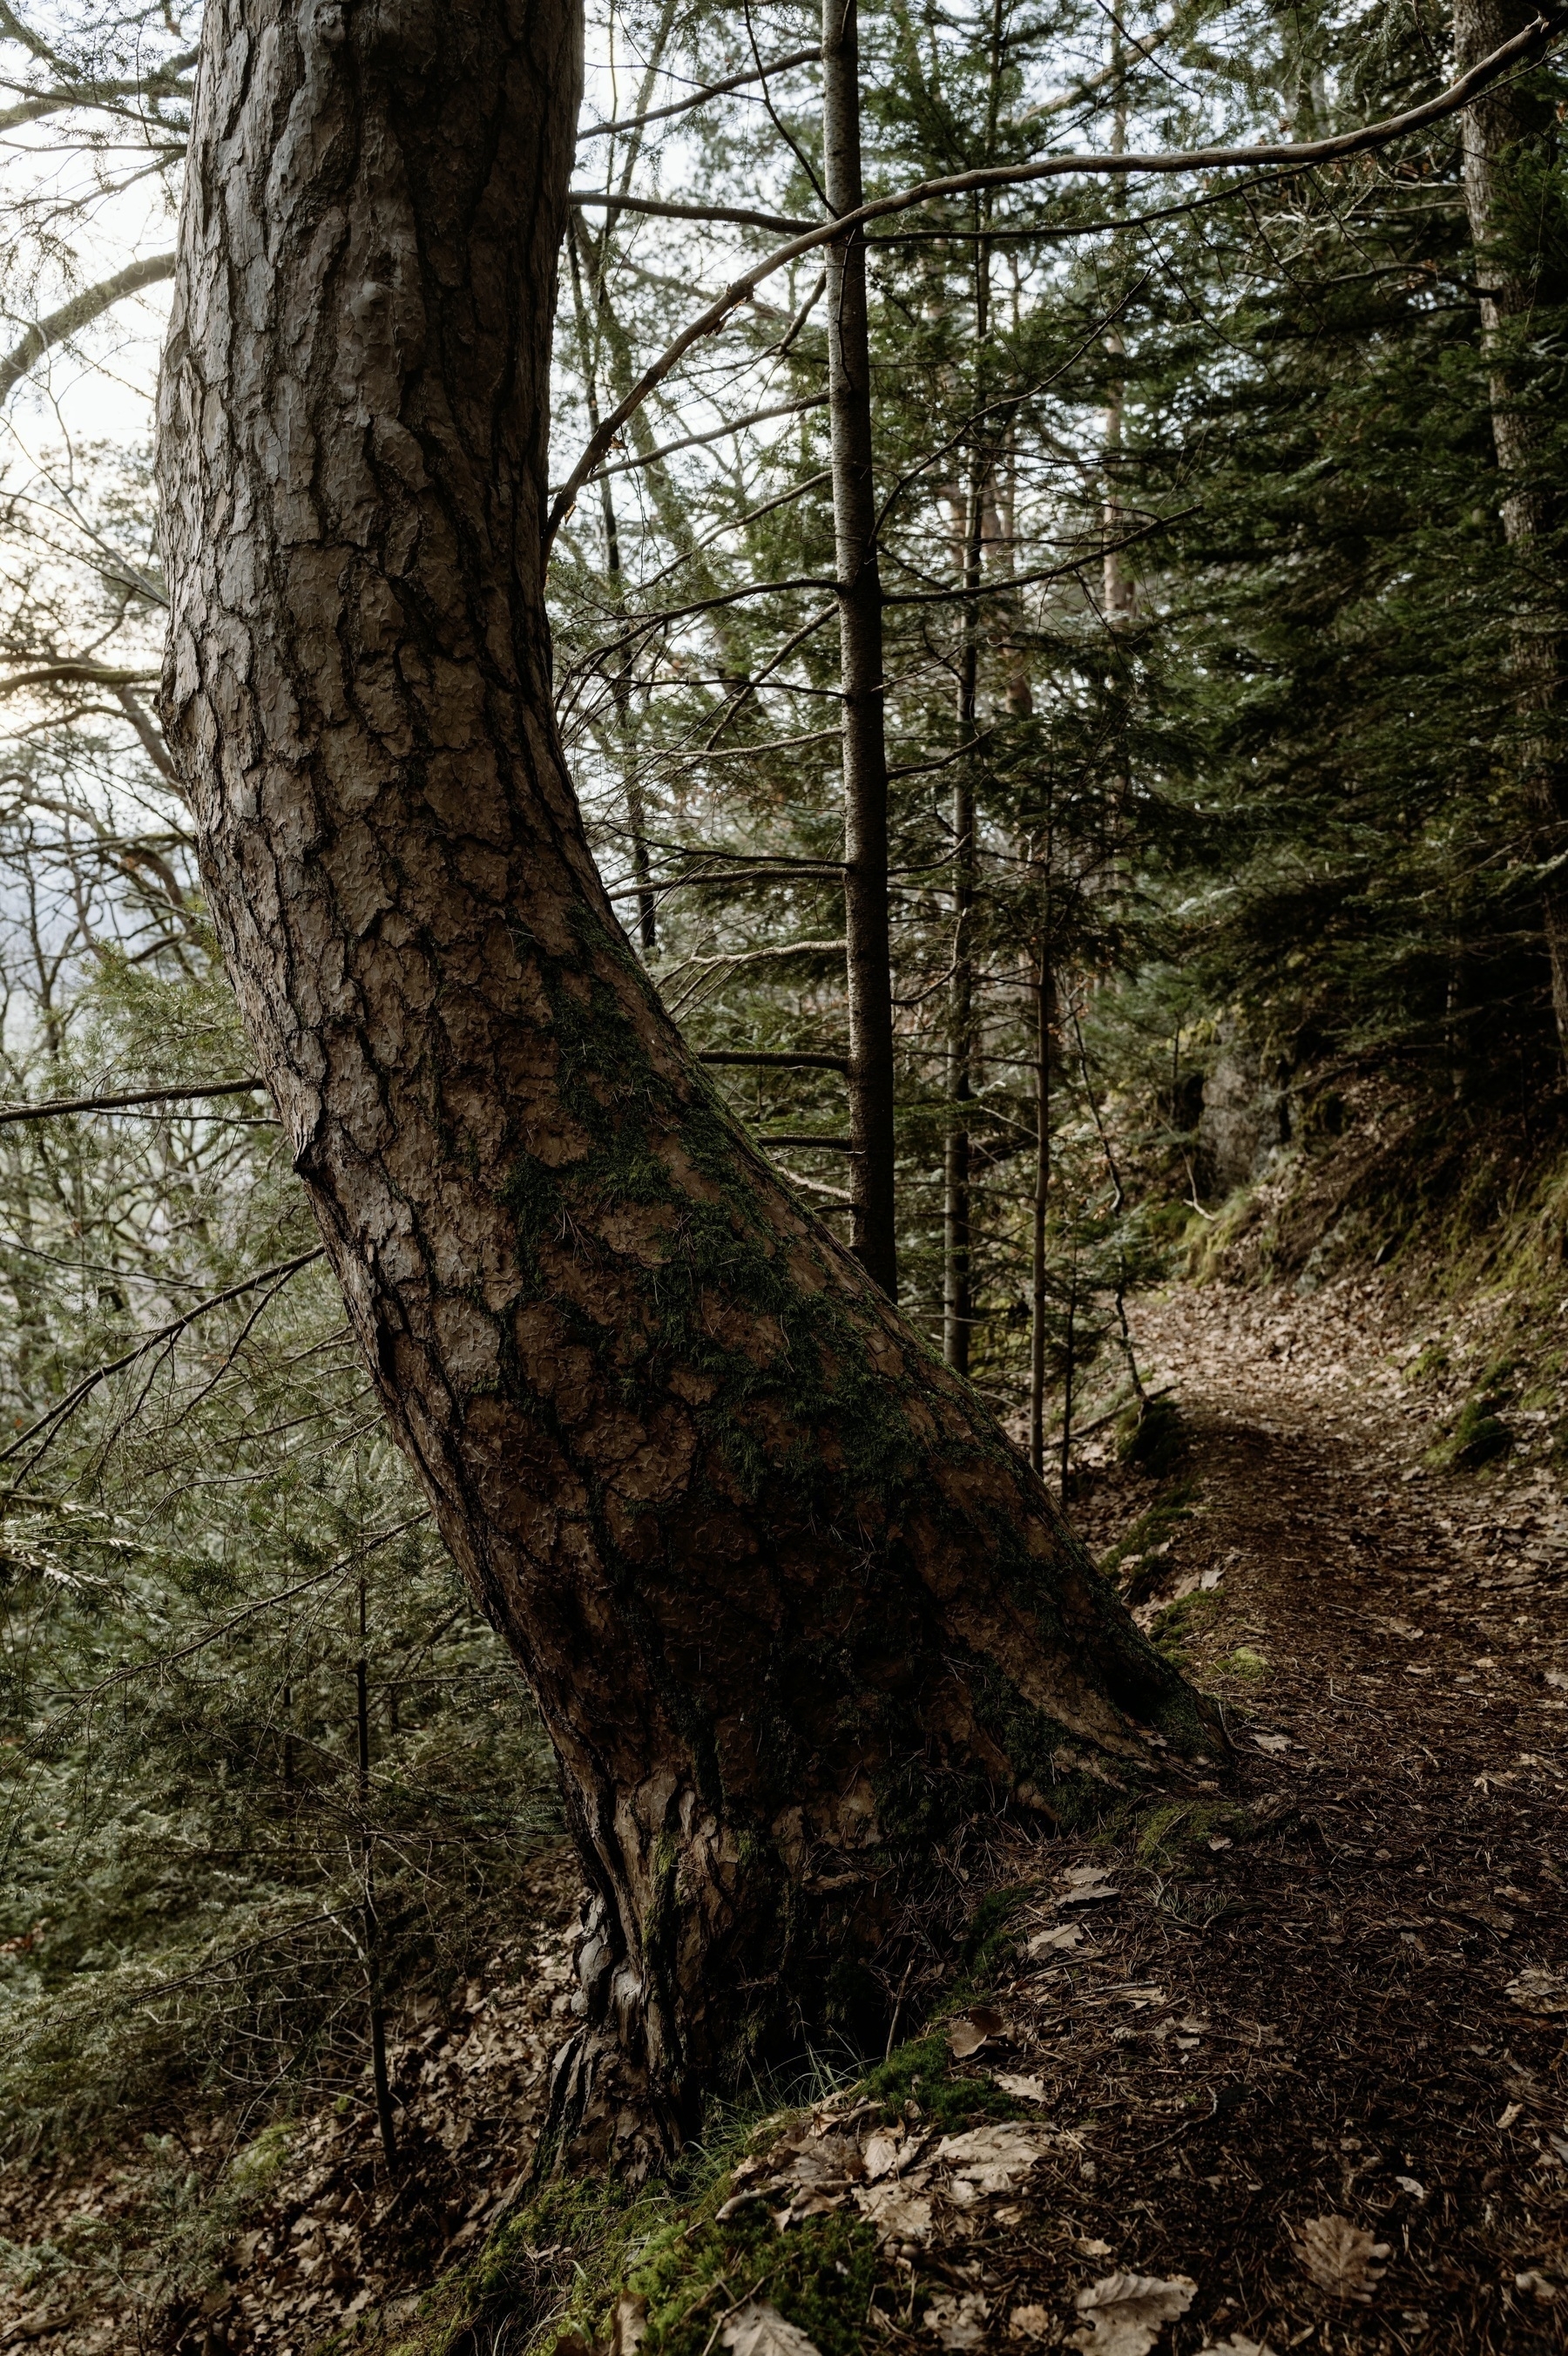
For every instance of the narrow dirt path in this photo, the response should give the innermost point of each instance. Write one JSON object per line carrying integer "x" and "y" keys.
{"x": 1335, "y": 1990}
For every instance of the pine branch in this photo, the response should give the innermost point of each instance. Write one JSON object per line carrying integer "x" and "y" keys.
{"x": 53, "y": 1420}
{"x": 771, "y": 1062}
{"x": 81, "y": 310}
{"x": 700, "y": 97}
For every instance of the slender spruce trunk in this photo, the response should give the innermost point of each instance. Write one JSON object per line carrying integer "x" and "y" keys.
{"x": 788, "y": 1600}
{"x": 1117, "y": 587}
{"x": 620, "y": 683}
{"x": 1044, "y": 981}
{"x": 1508, "y": 136}
{"x": 866, "y": 930}
{"x": 958, "y": 1279}
{"x": 374, "y": 1994}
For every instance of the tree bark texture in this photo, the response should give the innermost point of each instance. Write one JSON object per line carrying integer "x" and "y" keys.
{"x": 1509, "y": 143}
{"x": 787, "y": 1597}
{"x": 869, "y": 954}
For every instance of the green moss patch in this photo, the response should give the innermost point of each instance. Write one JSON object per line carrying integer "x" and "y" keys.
{"x": 1246, "y": 1663}
{"x": 1174, "y": 1627}
{"x": 1479, "y": 1437}
{"x": 1152, "y": 1436}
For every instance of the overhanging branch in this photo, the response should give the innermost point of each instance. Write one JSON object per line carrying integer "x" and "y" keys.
{"x": 79, "y": 313}
{"x": 1285, "y": 156}
{"x": 701, "y": 97}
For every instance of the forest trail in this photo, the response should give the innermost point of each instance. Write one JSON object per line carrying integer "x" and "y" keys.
{"x": 1357, "y": 1973}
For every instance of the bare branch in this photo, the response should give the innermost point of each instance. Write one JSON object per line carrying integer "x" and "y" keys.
{"x": 718, "y": 434}
{"x": 701, "y": 97}
{"x": 79, "y": 313}
{"x": 60, "y": 1105}
{"x": 151, "y": 735}
{"x": 79, "y": 674}
{"x": 780, "y": 1062}
{"x": 664, "y": 209}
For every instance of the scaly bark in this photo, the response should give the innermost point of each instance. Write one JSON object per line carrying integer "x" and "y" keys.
{"x": 788, "y": 1600}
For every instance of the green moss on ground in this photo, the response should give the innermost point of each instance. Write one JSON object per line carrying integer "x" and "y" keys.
{"x": 554, "y": 2272}
{"x": 1158, "y": 1522}
{"x": 1246, "y": 1663}
{"x": 1479, "y": 1437}
{"x": 1152, "y": 1435}
{"x": 1174, "y": 1627}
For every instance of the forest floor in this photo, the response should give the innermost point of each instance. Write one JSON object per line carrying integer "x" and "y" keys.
{"x": 1288, "y": 2047}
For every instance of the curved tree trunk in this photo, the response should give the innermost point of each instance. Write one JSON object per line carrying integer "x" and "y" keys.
{"x": 788, "y": 1600}
{"x": 1510, "y": 144}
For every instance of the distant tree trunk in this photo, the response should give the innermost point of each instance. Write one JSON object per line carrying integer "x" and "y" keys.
{"x": 957, "y": 1264}
{"x": 1510, "y": 141}
{"x": 621, "y": 685}
{"x": 788, "y": 1600}
{"x": 861, "y": 664}
{"x": 1044, "y": 1026}
{"x": 372, "y": 1927}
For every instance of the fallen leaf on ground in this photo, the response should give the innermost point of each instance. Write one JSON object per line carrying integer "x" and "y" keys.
{"x": 1539, "y": 1991}
{"x": 827, "y": 2159}
{"x": 882, "y": 2152}
{"x": 1089, "y": 2248}
{"x": 898, "y": 2213}
{"x": 1416, "y": 2190}
{"x": 1237, "y": 2345}
{"x": 760, "y": 2329}
{"x": 972, "y": 2029}
{"x": 1338, "y": 2256}
{"x": 1541, "y": 2285}
{"x": 813, "y": 2172}
{"x": 958, "y": 2317}
{"x": 1026, "y": 2090}
{"x": 1126, "y": 2313}
{"x": 1510, "y": 2115}
{"x": 1029, "y": 2323}
{"x": 1046, "y": 1943}
{"x": 989, "y": 2159}
{"x": 631, "y": 2326}
{"x": 1271, "y": 1742}
{"x": 1082, "y": 1885}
